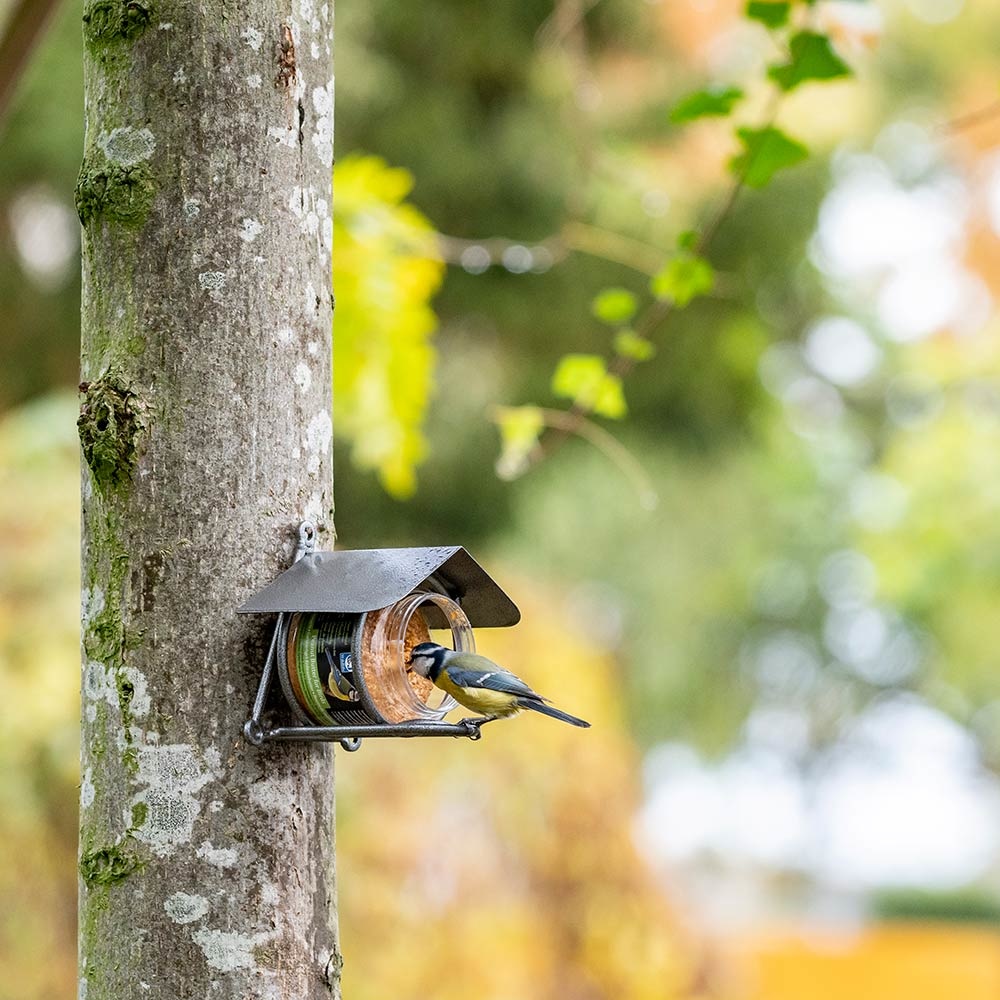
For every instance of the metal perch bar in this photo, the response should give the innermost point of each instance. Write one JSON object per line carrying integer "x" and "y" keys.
{"x": 466, "y": 727}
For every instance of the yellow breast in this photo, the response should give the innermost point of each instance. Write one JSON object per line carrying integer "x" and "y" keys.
{"x": 481, "y": 700}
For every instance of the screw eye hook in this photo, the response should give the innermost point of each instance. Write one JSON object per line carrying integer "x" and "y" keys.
{"x": 307, "y": 540}
{"x": 351, "y": 744}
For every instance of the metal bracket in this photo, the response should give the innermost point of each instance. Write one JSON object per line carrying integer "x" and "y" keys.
{"x": 349, "y": 737}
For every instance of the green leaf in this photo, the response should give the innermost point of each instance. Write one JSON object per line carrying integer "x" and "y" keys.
{"x": 683, "y": 278}
{"x": 614, "y": 306}
{"x": 772, "y": 13}
{"x": 714, "y": 102}
{"x": 577, "y": 374}
{"x": 520, "y": 428}
{"x": 687, "y": 240}
{"x": 584, "y": 378}
{"x": 765, "y": 152}
{"x": 811, "y": 57}
{"x": 610, "y": 399}
{"x": 630, "y": 345}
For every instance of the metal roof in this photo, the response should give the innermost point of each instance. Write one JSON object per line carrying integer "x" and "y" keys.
{"x": 353, "y": 581}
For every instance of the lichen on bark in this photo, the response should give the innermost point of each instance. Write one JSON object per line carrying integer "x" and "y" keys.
{"x": 106, "y": 644}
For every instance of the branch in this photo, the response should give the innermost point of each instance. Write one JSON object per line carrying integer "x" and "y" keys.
{"x": 574, "y": 237}
{"x": 643, "y": 257}
{"x": 562, "y": 21}
{"x": 970, "y": 120}
{"x": 567, "y": 32}
{"x": 566, "y": 422}
{"x": 22, "y": 32}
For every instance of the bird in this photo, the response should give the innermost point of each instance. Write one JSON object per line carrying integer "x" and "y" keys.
{"x": 482, "y": 685}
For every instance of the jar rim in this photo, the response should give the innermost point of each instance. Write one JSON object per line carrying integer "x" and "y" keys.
{"x": 390, "y": 635}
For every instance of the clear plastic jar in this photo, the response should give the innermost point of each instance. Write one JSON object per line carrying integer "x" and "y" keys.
{"x": 398, "y": 692}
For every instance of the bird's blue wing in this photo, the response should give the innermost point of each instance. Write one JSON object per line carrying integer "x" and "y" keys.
{"x": 492, "y": 680}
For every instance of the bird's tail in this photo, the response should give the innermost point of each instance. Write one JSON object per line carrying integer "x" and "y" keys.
{"x": 538, "y": 706}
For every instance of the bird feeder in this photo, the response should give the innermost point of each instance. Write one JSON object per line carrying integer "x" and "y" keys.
{"x": 347, "y": 621}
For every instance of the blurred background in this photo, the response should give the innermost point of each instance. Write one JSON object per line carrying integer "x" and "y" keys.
{"x": 792, "y": 786}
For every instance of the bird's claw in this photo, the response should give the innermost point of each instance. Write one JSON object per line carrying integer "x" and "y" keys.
{"x": 474, "y": 726}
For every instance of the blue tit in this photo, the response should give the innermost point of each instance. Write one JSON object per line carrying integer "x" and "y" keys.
{"x": 480, "y": 684}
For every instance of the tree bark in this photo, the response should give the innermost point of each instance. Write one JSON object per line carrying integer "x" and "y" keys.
{"x": 207, "y": 866}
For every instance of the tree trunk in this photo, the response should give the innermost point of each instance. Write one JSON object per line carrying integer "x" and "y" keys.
{"x": 207, "y": 866}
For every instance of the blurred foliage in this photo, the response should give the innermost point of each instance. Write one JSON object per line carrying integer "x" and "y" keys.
{"x": 691, "y": 583}
{"x": 971, "y": 906}
{"x": 39, "y": 650}
{"x": 501, "y": 870}
{"x": 929, "y": 963}
{"x": 939, "y": 559}
{"x": 42, "y": 139}
{"x": 383, "y": 359}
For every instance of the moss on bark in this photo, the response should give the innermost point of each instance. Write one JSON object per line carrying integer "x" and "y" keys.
{"x": 106, "y": 22}
{"x": 105, "y": 866}
{"x": 111, "y": 427}
{"x": 119, "y": 194}
{"x": 108, "y": 865}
